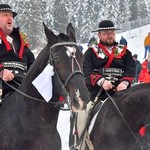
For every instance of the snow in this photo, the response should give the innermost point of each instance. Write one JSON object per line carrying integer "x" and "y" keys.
{"x": 63, "y": 127}
{"x": 135, "y": 39}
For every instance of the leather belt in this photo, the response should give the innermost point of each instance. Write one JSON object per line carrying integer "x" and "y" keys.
{"x": 15, "y": 64}
{"x": 110, "y": 71}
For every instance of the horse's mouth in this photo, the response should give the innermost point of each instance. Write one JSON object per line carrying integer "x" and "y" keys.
{"x": 78, "y": 105}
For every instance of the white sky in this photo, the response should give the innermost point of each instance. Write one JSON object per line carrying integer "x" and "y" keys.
{"x": 63, "y": 127}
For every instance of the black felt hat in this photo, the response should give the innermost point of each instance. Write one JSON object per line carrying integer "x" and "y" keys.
{"x": 5, "y": 7}
{"x": 105, "y": 25}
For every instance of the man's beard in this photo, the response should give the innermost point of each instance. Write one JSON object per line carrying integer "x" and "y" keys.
{"x": 108, "y": 44}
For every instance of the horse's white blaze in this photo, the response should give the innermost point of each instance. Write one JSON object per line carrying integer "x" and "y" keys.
{"x": 70, "y": 51}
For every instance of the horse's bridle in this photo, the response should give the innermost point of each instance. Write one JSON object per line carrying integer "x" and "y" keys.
{"x": 74, "y": 72}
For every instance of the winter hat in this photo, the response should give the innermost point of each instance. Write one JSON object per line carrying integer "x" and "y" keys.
{"x": 105, "y": 25}
{"x": 5, "y": 7}
{"x": 135, "y": 56}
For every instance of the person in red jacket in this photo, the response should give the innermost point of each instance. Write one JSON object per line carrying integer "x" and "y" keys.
{"x": 15, "y": 55}
{"x": 108, "y": 65}
{"x": 143, "y": 72}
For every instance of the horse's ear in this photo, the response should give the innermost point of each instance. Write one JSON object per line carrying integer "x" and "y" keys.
{"x": 71, "y": 32}
{"x": 51, "y": 37}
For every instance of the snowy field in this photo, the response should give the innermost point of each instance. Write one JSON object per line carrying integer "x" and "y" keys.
{"x": 135, "y": 39}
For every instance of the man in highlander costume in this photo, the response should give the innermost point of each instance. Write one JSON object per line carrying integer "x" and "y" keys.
{"x": 108, "y": 66}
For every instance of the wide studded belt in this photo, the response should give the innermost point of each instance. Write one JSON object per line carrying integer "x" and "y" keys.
{"x": 109, "y": 71}
{"x": 15, "y": 64}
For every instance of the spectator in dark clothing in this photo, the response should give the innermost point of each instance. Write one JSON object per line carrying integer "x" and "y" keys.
{"x": 123, "y": 41}
{"x": 80, "y": 48}
{"x": 138, "y": 68}
{"x": 92, "y": 41}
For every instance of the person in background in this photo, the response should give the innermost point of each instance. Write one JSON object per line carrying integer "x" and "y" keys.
{"x": 138, "y": 68}
{"x": 123, "y": 41}
{"x": 143, "y": 72}
{"x": 146, "y": 79}
{"x": 15, "y": 55}
{"x": 92, "y": 41}
{"x": 80, "y": 48}
{"x": 147, "y": 45}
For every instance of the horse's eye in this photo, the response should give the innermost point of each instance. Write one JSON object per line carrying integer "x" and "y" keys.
{"x": 56, "y": 59}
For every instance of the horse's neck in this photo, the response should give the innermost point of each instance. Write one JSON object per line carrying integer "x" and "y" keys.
{"x": 34, "y": 113}
{"x": 34, "y": 104}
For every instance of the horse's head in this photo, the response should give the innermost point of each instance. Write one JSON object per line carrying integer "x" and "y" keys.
{"x": 66, "y": 59}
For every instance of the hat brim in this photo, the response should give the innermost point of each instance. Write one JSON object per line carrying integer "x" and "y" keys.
{"x": 104, "y": 30}
{"x": 14, "y": 14}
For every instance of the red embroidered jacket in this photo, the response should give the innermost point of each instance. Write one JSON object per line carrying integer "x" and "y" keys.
{"x": 98, "y": 57}
{"x": 21, "y": 54}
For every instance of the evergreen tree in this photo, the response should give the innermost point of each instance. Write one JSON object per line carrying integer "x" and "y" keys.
{"x": 134, "y": 9}
{"x": 142, "y": 9}
{"x": 85, "y": 16}
{"x": 60, "y": 15}
{"x": 123, "y": 12}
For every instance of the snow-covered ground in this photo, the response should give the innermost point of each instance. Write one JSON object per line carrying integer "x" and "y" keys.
{"x": 63, "y": 127}
{"x": 135, "y": 39}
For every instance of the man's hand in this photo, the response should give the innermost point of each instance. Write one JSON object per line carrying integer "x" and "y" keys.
{"x": 6, "y": 75}
{"x": 122, "y": 86}
{"x": 107, "y": 85}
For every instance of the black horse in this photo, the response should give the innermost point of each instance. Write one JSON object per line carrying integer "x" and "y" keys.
{"x": 27, "y": 122}
{"x": 122, "y": 121}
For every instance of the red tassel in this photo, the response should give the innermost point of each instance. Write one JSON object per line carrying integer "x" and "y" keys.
{"x": 61, "y": 98}
{"x": 21, "y": 48}
{"x": 142, "y": 131}
{"x": 8, "y": 47}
